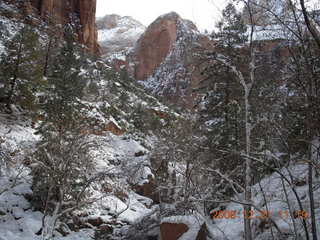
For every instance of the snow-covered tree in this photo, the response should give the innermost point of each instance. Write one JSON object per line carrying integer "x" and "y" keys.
{"x": 21, "y": 73}
{"x": 61, "y": 163}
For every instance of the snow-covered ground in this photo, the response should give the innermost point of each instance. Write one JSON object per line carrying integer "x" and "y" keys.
{"x": 112, "y": 154}
{"x": 277, "y": 207}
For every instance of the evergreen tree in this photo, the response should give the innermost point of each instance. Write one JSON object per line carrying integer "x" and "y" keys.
{"x": 61, "y": 175}
{"x": 21, "y": 73}
{"x": 223, "y": 112}
{"x": 66, "y": 83}
{"x": 231, "y": 29}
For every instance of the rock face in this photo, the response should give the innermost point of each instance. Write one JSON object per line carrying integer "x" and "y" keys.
{"x": 149, "y": 190}
{"x": 62, "y": 12}
{"x": 175, "y": 230}
{"x": 117, "y": 34}
{"x": 155, "y": 45}
{"x": 172, "y": 231}
{"x": 164, "y": 61}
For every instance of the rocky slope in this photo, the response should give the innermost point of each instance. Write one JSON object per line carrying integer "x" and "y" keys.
{"x": 118, "y": 34}
{"x": 115, "y": 107}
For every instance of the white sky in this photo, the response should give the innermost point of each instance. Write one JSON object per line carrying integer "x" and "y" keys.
{"x": 204, "y": 13}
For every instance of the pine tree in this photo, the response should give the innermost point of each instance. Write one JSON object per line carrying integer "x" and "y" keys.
{"x": 231, "y": 29}
{"x": 223, "y": 112}
{"x": 21, "y": 73}
{"x": 61, "y": 172}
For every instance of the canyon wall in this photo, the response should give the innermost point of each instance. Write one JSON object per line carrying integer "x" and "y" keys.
{"x": 63, "y": 10}
{"x": 165, "y": 60}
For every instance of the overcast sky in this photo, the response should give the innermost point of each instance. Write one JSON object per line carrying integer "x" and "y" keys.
{"x": 204, "y": 13}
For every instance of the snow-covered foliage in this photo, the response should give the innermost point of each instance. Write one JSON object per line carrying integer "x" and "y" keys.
{"x": 115, "y": 108}
{"x": 7, "y": 26}
{"x": 129, "y": 130}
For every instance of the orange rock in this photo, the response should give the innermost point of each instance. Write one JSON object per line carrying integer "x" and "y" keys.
{"x": 155, "y": 45}
{"x": 61, "y": 10}
{"x": 119, "y": 64}
{"x": 112, "y": 127}
{"x": 149, "y": 190}
{"x": 160, "y": 114}
{"x": 172, "y": 231}
{"x": 167, "y": 50}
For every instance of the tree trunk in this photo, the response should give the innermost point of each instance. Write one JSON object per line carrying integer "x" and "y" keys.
{"x": 50, "y": 223}
{"x": 312, "y": 29}
{"x": 313, "y": 145}
{"x": 13, "y": 81}
{"x": 247, "y": 208}
{"x": 46, "y": 63}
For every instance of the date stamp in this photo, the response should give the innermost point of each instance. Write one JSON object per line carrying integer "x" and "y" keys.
{"x": 240, "y": 213}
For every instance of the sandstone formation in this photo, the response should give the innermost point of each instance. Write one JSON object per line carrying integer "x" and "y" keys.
{"x": 173, "y": 231}
{"x": 64, "y": 11}
{"x": 117, "y": 35}
{"x": 155, "y": 45}
{"x": 149, "y": 190}
{"x": 164, "y": 60}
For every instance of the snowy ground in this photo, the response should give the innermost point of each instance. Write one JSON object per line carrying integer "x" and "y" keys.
{"x": 276, "y": 206}
{"x": 113, "y": 153}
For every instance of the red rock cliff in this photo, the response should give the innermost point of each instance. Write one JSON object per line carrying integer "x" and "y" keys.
{"x": 61, "y": 10}
{"x": 164, "y": 58}
{"x": 155, "y": 45}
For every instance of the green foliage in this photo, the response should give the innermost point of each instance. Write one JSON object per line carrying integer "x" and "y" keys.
{"x": 21, "y": 68}
{"x": 61, "y": 155}
{"x": 66, "y": 83}
{"x": 231, "y": 29}
{"x": 145, "y": 119}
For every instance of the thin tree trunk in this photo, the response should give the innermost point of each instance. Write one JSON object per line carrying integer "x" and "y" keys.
{"x": 13, "y": 82}
{"x": 46, "y": 63}
{"x": 248, "y": 194}
{"x": 315, "y": 34}
{"x": 267, "y": 208}
{"x": 50, "y": 223}
{"x": 290, "y": 208}
{"x": 311, "y": 195}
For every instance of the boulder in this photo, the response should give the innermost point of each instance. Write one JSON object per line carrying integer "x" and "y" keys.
{"x": 148, "y": 189}
{"x": 96, "y": 222}
{"x": 172, "y": 231}
{"x": 183, "y": 228}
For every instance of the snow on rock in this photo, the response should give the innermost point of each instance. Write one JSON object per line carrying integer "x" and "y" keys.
{"x": 113, "y": 154}
{"x": 17, "y": 137}
{"x": 269, "y": 32}
{"x": 83, "y": 234}
{"x": 118, "y": 34}
{"x": 7, "y": 26}
{"x": 163, "y": 55}
{"x": 193, "y": 223}
{"x": 18, "y": 221}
